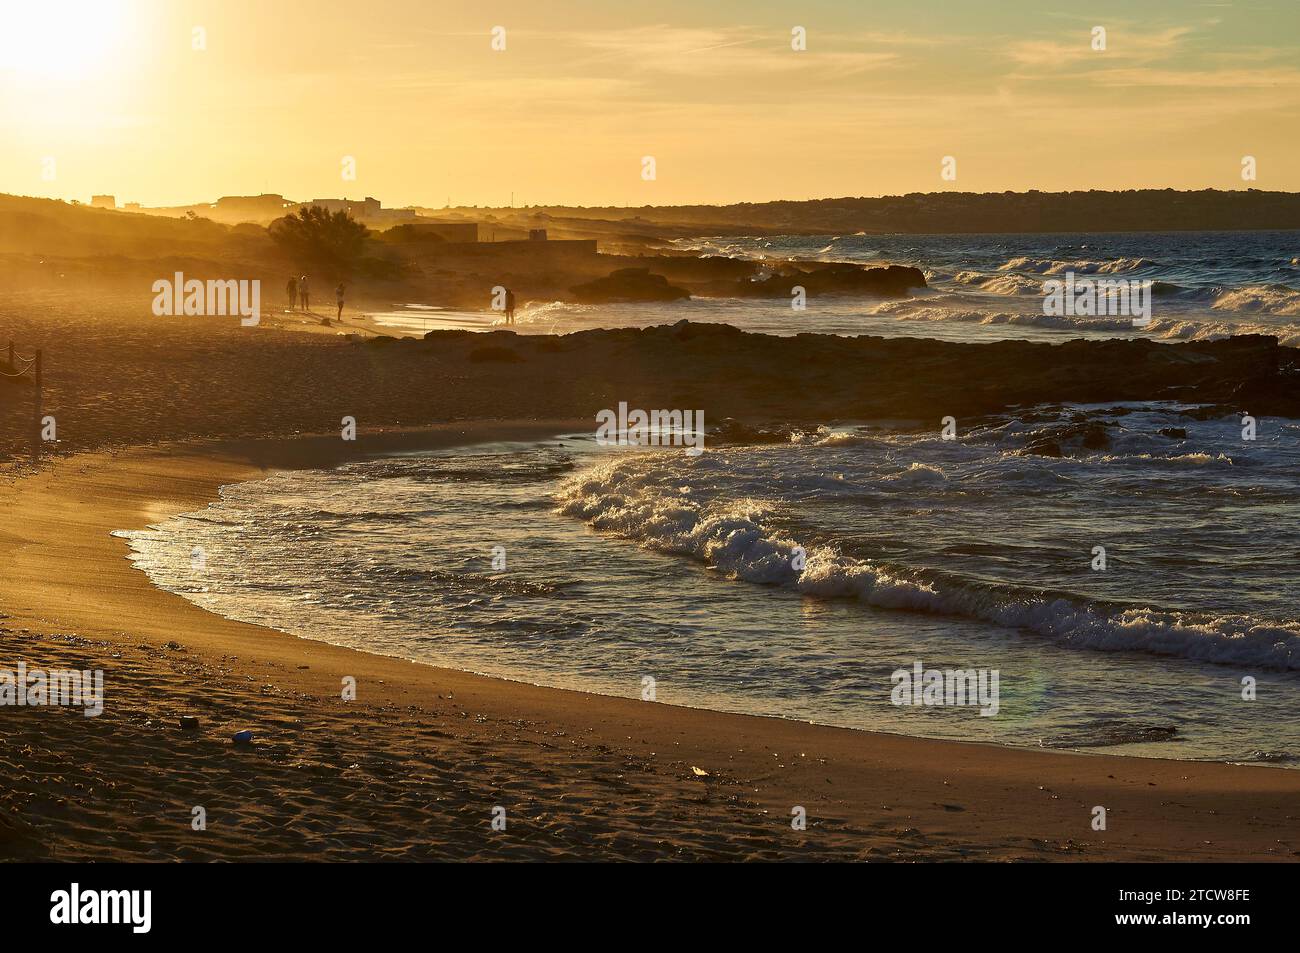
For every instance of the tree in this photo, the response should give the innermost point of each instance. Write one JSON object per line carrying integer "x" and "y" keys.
{"x": 319, "y": 238}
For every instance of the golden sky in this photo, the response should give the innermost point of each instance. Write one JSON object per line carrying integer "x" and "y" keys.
{"x": 122, "y": 99}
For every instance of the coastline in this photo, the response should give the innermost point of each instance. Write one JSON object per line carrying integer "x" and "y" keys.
{"x": 205, "y": 378}
{"x": 414, "y": 766}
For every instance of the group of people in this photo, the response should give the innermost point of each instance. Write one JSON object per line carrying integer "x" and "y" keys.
{"x": 298, "y": 290}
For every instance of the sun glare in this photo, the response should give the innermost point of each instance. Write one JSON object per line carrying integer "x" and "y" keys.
{"x": 58, "y": 39}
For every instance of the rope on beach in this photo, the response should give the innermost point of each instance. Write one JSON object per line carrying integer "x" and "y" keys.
{"x": 16, "y": 373}
{"x": 26, "y": 362}
{"x": 18, "y": 365}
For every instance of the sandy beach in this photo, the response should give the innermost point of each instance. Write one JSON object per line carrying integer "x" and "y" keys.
{"x": 413, "y": 768}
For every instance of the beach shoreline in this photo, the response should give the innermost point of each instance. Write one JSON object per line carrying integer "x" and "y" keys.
{"x": 414, "y": 767}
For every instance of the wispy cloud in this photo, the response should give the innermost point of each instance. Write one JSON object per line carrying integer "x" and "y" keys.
{"x": 1200, "y": 79}
{"x": 1124, "y": 41}
{"x": 737, "y": 50}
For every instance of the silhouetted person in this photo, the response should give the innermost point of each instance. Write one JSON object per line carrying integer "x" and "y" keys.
{"x": 304, "y": 294}
{"x": 338, "y": 293}
{"x": 510, "y": 306}
{"x": 291, "y": 289}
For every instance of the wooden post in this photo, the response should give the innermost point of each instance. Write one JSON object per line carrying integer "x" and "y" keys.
{"x": 36, "y": 442}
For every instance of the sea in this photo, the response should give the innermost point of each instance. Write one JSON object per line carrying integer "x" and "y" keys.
{"x": 1205, "y": 285}
{"x": 1137, "y": 594}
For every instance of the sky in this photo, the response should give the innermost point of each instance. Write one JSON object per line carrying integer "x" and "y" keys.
{"x": 169, "y": 102}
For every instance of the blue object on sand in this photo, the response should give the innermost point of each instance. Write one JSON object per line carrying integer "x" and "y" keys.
{"x": 243, "y": 737}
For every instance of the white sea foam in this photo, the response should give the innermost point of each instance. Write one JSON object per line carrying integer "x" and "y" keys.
{"x": 1260, "y": 299}
{"x": 627, "y": 497}
{"x": 1053, "y": 266}
{"x": 1003, "y": 284}
{"x": 1181, "y": 328}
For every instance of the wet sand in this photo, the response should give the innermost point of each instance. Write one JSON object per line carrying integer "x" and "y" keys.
{"x": 413, "y": 768}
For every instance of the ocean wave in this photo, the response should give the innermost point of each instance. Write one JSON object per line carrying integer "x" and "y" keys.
{"x": 388, "y": 576}
{"x": 535, "y": 312}
{"x": 1109, "y": 732}
{"x": 1185, "y": 329}
{"x": 625, "y": 497}
{"x": 1270, "y": 757}
{"x": 466, "y": 468}
{"x": 1261, "y": 299}
{"x": 1056, "y": 266}
{"x": 906, "y": 311}
{"x": 1191, "y": 459}
{"x": 1003, "y": 284}
{"x": 836, "y": 438}
{"x": 1011, "y": 283}
{"x": 1173, "y": 329}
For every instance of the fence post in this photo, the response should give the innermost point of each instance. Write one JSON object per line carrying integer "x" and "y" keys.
{"x": 36, "y": 436}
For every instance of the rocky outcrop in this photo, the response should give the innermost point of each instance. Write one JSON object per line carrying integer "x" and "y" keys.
{"x": 820, "y": 377}
{"x": 628, "y": 284}
{"x": 892, "y": 281}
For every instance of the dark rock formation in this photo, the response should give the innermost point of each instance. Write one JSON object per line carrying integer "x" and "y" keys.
{"x": 504, "y": 354}
{"x": 893, "y": 281}
{"x": 628, "y": 284}
{"x": 1079, "y": 436}
{"x": 816, "y": 378}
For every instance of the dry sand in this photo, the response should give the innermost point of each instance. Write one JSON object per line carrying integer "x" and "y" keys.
{"x": 414, "y": 767}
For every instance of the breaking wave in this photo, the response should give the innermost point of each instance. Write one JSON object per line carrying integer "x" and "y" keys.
{"x": 1182, "y": 328}
{"x": 1055, "y": 266}
{"x": 1000, "y": 284}
{"x": 629, "y": 497}
{"x": 1267, "y": 299}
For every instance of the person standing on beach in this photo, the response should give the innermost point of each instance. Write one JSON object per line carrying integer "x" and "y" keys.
{"x": 338, "y": 293}
{"x": 510, "y": 306}
{"x": 291, "y": 289}
{"x": 303, "y": 293}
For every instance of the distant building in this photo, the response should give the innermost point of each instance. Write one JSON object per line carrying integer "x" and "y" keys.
{"x": 132, "y": 206}
{"x": 365, "y": 208}
{"x": 521, "y": 251}
{"x": 103, "y": 201}
{"x": 455, "y": 232}
{"x": 537, "y": 234}
{"x": 251, "y": 208}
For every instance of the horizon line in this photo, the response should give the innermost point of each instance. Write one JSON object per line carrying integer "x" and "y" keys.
{"x": 680, "y": 205}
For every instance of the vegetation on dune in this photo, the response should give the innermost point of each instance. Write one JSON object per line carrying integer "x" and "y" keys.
{"x": 321, "y": 239}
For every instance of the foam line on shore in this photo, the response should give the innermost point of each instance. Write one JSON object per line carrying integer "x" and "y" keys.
{"x": 625, "y": 496}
